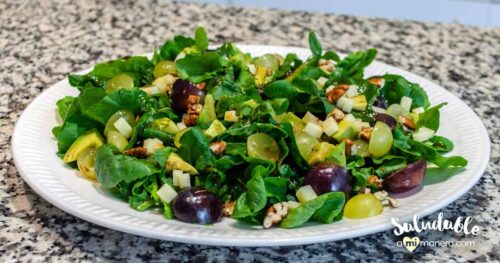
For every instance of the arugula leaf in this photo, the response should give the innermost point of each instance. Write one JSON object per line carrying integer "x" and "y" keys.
{"x": 430, "y": 117}
{"x": 113, "y": 167}
{"x": 201, "y": 39}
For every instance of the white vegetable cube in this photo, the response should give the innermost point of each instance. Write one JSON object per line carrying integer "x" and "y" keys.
{"x": 123, "y": 127}
{"x": 152, "y": 90}
{"x": 181, "y": 125}
{"x": 252, "y": 69}
{"x": 230, "y": 116}
{"x": 321, "y": 81}
{"x": 350, "y": 117}
{"x": 330, "y": 88}
{"x": 378, "y": 110}
{"x": 313, "y": 129}
{"x": 406, "y": 103}
{"x": 345, "y": 104}
{"x": 176, "y": 174}
{"x": 423, "y": 134}
{"x": 418, "y": 110}
{"x": 166, "y": 193}
{"x": 305, "y": 193}
{"x": 292, "y": 205}
{"x": 352, "y": 91}
{"x": 184, "y": 180}
{"x": 309, "y": 117}
{"x": 152, "y": 145}
{"x": 330, "y": 126}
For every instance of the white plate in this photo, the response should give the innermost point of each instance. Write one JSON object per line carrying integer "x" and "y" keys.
{"x": 34, "y": 151}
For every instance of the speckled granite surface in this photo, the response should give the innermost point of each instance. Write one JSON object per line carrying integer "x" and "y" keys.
{"x": 41, "y": 42}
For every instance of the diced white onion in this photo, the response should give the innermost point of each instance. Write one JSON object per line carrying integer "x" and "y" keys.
{"x": 175, "y": 176}
{"x": 309, "y": 117}
{"x": 181, "y": 125}
{"x": 406, "y": 103}
{"x": 330, "y": 126}
{"x": 423, "y": 134}
{"x": 352, "y": 91}
{"x": 123, "y": 127}
{"x": 305, "y": 193}
{"x": 329, "y": 88}
{"x": 321, "y": 81}
{"x": 418, "y": 110}
{"x": 313, "y": 129}
{"x": 292, "y": 205}
{"x": 345, "y": 104}
{"x": 378, "y": 110}
{"x": 184, "y": 181}
{"x": 152, "y": 144}
{"x": 350, "y": 117}
{"x": 151, "y": 90}
{"x": 166, "y": 193}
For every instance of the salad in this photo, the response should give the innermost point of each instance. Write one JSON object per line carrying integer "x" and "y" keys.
{"x": 199, "y": 134}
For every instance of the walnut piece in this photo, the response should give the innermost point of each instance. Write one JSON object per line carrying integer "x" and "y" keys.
{"x": 201, "y": 85}
{"x": 377, "y": 81}
{"x": 386, "y": 200}
{"x": 373, "y": 179}
{"x": 218, "y": 147}
{"x": 275, "y": 214}
{"x": 193, "y": 111}
{"x": 366, "y": 133}
{"x": 348, "y": 146}
{"x": 228, "y": 208}
{"x": 138, "y": 152}
{"x": 337, "y": 114}
{"x": 337, "y": 92}
{"x": 407, "y": 122}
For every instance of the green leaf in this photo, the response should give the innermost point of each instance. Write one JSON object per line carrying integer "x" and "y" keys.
{"x": 255, "y": 198}
{"x": 440, "y": 144}
{"x": 303, "y": 212}
{"x": 331, "y": 209}
{"x": 397, "y": 86}
{"x": 199, "y": 67}
{"x": 171, "y": 48}
{"x": 113, "y": 168}
{"x": 276, "y": 188}
{"x": 201, "y": 39}
{"x": 430, "y": 117}
{"x": 315, "y": 45}
{"x": 280, "y": 89}
{"x": 67, "y": 107}
{"x": 195, "y": 150}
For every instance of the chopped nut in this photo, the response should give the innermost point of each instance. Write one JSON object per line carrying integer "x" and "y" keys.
{"x": 228, "y": 208}
{"x": 337, "y": 92}
{"x": 337, "y": 114}
{"x": 326, "y": 65}
{"x": 322, "y": 62}
{"x": 377, "y": 81}
{"x": 365, "y": 190}
{"x": 275, "y": 214}
{"x": 139, "y": 152}
{"x": 218, "y": 147}
{"x": 348, "y": 146}
{"x": 407, "y": 122}
{"x": 375, "y": 180}
{"x": 366, "y": 133}
{"x": 193, "y": 99}
{"x": 384, "y": 197}
{"x": 193, "y": 112}
{"x": 190, "y": 119}
{"x": 201, "y": 85}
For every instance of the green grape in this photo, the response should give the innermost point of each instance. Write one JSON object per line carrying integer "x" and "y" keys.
{"x": 117, "y": 139}
{"x": 363, "y": 206}
{"x": 86, "y": 162}
{"x": 120, "y": 81}
{"x": 396, "y": 110}
{"x": 270, "y": 61}
{"x": 305, "y": 142}
{"x": 380, "y": 140}
{"x": 163, "y": 68}
{"x": 360, "y": 147}
{"x": 263, "y": 146}
{"x": 110, "y": 124}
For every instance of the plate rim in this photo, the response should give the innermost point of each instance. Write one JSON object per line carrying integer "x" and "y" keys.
{"x": 249, "y": 242}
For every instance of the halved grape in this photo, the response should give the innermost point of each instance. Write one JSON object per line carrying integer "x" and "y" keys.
{"x": 360, "y": 147}
{"x": 163, "y": 68}
{"x": 305, "y": 143}
{"x": 380, "y": 140}
{"x": 181, "y": 91}
{"x": 270, "y": 61}
{"x": 120, "y": 81}
{"x": 86, "y": 162}
{"x": 363, "y": 206}
{"x": 126, "y": 115}
{"x": 117, "y": 139}
{"x": 263, "y": 146}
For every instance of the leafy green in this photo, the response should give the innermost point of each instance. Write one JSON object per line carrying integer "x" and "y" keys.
{"x": 199, "y": 67}
{"x": 396, "y": 87}
{"x": 200, "y": 38}
{"x": 314, "y": 45}
{"x": 195, "y": 150}
{"x": 255, "y": 198}
{"x": 430, "y": 117}
{"x": 172, "y": 48}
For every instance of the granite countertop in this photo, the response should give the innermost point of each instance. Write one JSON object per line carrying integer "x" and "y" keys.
{"x": 41, "y": 42}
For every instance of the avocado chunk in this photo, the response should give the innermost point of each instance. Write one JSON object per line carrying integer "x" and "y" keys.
{"x": 207, "y": 114}
{"x": 90, "y": 139}
{"x": 297, "y": 123}
{"x": 346, "y": 130}
{"x": 326, "y": 152}
{"x": 166, "y": 125}
{"x": 359, "y": 102}
{"x": 175, "y": 162}
{"x": 215, "y": 129}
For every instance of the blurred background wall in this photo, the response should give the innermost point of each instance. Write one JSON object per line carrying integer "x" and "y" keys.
{"x": 469, "y": 12}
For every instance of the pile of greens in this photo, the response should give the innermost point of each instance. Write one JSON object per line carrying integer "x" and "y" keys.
{"x": 284, "y": 98}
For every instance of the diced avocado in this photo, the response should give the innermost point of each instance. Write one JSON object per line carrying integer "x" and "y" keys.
{"x": 326, "y": 152}
{"x": 215, "y": 129}
{"x": 359, "y": 102}
{"x": 165, "y": 124}
{"x": 297, "y": 123}
{"x": 175, "y": 162}
{"x": 346, "y": 130}
{"x": 207, "y": 114}
{"x": 90, "y": 139}
{"x": 320, "y": 153}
